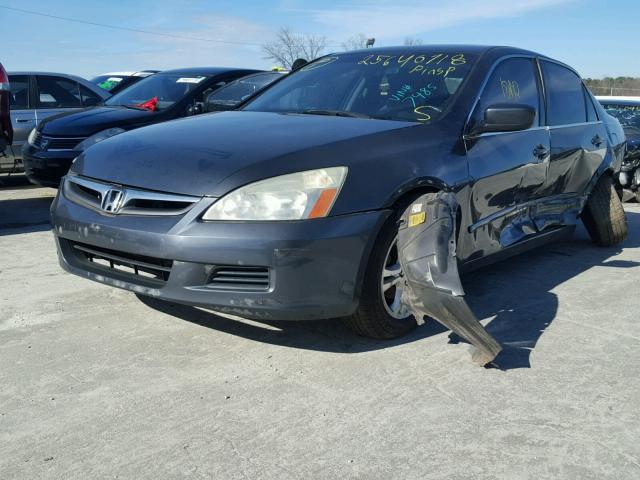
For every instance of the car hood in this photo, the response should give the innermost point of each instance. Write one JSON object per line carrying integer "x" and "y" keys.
{"x": 85, "y": 122}
{"x": 212, "y": 154}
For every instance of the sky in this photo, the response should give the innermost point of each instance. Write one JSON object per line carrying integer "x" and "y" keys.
{"x": 595, "y": 37}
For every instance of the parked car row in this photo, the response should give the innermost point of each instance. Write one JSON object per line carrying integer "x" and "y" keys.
{"x": 35, "y": 96}
{"x": 290, "y": 206}
{"x": 100, "y": 109}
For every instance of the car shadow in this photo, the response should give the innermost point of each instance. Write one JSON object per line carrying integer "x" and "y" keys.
{"x": 517, "y": 296}
{"x": 15, "y": 180}
{"x": 27, "y": 213}
{"x": 495, "y": 294}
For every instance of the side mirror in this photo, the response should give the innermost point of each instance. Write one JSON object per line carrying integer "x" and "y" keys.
{"x": 505, "y": 118}
{"x": 195, "y": 109}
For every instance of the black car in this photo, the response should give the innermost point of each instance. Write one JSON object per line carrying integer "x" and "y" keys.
{"x": 160, "y": 97}
{"x": 289, "y": 208}
{"x": 627, "y": 111}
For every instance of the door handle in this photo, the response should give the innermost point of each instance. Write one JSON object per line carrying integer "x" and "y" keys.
{"x": 597, "y": 141}
{"x": 24, "y": 120}
{"x": 540, "y": 151}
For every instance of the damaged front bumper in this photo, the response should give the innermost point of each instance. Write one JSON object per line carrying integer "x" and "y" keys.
{"x": 259, "y": 270}
{"x": 427, "y": 251}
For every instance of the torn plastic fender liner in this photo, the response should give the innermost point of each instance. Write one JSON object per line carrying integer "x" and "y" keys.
{"x": 427, "y": 251}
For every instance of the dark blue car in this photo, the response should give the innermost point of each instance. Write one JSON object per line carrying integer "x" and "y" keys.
{"x": 289, "y": 208}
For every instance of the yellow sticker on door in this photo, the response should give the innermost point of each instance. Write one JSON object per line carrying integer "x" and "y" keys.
{"x": 417, "y": 218}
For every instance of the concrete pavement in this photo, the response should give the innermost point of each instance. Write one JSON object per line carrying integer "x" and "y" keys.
{"x": 96, "y": 383}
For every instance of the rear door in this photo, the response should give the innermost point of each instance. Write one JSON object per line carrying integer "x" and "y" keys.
{"x": 23, "y": 115}
{"x": 55, "y": 95}
{"x": 578, "y": 137}
{"x": 508, "y": 168}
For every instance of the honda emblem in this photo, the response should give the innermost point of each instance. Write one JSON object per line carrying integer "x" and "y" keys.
{"x": 112, "y": 201}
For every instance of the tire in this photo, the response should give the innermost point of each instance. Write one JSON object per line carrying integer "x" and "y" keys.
{"x": 373, "y": 318}
{"x": 603, "y": 215}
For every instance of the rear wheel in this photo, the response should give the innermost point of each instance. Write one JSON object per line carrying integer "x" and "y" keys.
{"x": 603, "y": 215}
{"x": 381, "y": 313}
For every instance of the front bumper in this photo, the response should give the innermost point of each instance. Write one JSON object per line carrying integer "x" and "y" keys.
{"x": 315, "y": 267}
{"x": 44, "y": 167}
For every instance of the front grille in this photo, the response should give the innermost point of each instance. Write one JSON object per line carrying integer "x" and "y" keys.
{"x": 240, "y": 278}
{"x": 132, "y": 201}
{"x": 47, "y": 142}
{"x": 139, "y": 267}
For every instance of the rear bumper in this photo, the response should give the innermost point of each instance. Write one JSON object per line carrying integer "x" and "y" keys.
{"x": 314, "y": 267}
{"x": 44, "y": 167}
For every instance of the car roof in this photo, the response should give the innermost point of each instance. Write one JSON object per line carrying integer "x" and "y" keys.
{"x": 120, "y": 74}
{"x": 445, "y": 48}
{"x": 209, "y": 70}
{"x": 136, "y": 73}
{"x": 619, "y": 100}
{"x": 57, "y": 74}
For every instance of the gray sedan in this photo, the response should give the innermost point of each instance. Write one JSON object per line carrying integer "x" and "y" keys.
{"x": 38, "y": 95}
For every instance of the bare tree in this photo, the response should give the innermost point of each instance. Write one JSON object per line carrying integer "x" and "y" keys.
{"x": 355, "y": 42}
{"x": 412, "y": 41}
{"x": 289, "y": 46}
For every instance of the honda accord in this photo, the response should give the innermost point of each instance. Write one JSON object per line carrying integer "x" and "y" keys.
{"x": 289, "y": 207}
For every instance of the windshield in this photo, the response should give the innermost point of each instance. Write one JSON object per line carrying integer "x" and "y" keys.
{"x": 157, "y": 92}
{"x": 413, "y": 87}
{"x": 627, "y": 115}
{"x": 243, "y": 88}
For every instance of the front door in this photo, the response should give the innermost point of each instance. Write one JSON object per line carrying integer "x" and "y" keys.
{"x": 508, "y": 169}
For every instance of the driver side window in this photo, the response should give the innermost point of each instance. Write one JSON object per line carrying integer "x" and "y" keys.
{"x": 514, "y": 81}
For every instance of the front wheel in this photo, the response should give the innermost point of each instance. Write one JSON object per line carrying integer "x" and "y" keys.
{"x": 603, "y": 215}
{"x": 381, "y": 313}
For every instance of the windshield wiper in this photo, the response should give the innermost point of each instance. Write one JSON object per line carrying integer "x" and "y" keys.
{"x": 334, "y": 113}
{"x": 133, "y": 107}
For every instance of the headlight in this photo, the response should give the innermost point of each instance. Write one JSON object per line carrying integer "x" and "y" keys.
{"x": 32, "y": 136}
{"x": 98, "y": 137}
{"x": 296, "y": 196}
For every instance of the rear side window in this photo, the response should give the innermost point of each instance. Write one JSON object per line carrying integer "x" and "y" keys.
{"x": 89, "y": 98}
{"x": 514, "y": 81}
{"x": 592, "y": 116}
{"x": 565, "y": 95}
{"x": 57, "y": 92}
{"x": 19, "y": 98}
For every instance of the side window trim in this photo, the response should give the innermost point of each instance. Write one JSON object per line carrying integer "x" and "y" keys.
{"x": 590, "y": 101}
{"x": 544, "y": 116}
{"x": 483, "y": 87}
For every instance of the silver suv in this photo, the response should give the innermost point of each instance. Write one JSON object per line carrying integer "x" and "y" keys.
{"x": 38, "y": 95}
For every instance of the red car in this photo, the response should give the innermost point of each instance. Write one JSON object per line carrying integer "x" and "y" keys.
{"x": 6, "y": 131}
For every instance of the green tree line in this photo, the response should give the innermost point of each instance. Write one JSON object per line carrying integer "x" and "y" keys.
{"x": 619, "y": 86}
